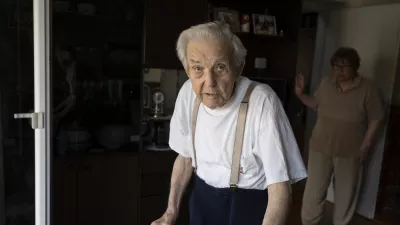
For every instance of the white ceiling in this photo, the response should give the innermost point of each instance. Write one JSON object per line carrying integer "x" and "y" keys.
{"x": 322, "y": 5}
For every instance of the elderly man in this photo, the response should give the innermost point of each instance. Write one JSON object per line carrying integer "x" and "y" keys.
{"x": 232, "y": 133}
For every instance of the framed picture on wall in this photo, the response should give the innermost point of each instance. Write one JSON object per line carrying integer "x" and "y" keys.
{"x": 264, "y": 24}
{"x": 231, "y": 17}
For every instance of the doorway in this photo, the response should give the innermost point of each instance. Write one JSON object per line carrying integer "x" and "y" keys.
{"x": 24, "y": 114}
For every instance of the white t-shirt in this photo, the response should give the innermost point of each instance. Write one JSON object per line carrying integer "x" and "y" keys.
{"x": 270, "y": 153}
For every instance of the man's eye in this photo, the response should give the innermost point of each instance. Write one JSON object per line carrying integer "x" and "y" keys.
{"x": 197, "y": 69}
{"x": 220, "y": 68}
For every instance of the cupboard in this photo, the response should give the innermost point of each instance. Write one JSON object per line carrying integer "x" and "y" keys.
{"x": 96, "y": 189}
{"x": 164, "y": 21}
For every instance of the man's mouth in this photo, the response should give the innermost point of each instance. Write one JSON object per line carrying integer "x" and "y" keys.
{"x": 210, "y": 95}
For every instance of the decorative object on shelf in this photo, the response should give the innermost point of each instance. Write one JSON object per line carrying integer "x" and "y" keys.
{"x": 245, "y": 23}
{"x": 231, "y": 17}
{"x": 281, "y": 33}
{"x": 158, "y": 99}
{"x": 264, "y": 24}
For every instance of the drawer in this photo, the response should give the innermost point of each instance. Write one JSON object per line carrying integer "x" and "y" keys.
{"x": 155, "y": 184}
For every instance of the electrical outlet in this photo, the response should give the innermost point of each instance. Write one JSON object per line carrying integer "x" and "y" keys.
{"x": 260, "y": 63}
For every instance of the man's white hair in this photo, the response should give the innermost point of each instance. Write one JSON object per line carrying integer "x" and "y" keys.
{"x": 212, "y": 30}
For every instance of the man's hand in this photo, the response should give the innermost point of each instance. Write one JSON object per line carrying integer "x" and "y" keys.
{"x": 168, "y": 218}
{"x": 181, "y": 174}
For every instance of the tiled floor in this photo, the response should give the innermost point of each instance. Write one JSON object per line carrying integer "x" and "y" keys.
{"x": 295, "y": 219}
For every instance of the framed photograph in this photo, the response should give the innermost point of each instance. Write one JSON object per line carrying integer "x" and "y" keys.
{"x": 231, "y": 17}
{"x": 264, "y": 24}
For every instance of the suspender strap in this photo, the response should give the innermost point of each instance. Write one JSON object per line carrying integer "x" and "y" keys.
{"x": 194, "y": 121}
{"x": 239, "y": 136}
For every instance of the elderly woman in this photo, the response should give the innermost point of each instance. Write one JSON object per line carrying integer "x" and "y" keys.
{"x": 232, "y": 133}
{"x": 349, "y": 111}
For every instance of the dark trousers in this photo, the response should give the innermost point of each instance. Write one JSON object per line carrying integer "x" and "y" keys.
{"x": 221, "y": 206}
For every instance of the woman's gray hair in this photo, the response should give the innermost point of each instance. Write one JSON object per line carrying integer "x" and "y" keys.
{"x": 213, "y": 30}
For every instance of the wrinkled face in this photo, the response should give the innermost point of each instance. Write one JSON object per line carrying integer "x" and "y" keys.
{"x": 210, "y": 70}
{"x": 343, "y": 71}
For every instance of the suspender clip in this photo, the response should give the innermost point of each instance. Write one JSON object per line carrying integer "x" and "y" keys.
{"x": 233, "y": 187}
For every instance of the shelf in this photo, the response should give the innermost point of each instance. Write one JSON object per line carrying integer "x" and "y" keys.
{"x": 249, "y": 35}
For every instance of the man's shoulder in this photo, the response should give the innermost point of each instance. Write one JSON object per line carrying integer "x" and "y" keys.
{"x": 186, "y": 87}
{"x": 263, "y": 92}
{"x": 264, "y": 100}
{"x": 186, "y": 92}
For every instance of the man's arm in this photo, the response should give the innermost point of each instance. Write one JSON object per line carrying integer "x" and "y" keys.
{"x": 181, "y": 174}
{"x": 279, "y": 199}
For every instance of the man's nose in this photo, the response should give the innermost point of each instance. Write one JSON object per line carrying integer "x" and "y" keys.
{"x": 210, "y": 79}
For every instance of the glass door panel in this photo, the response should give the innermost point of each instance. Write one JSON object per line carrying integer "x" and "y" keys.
{"x": 24, "y": 124}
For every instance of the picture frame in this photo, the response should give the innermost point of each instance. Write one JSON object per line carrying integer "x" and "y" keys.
{"x": 231, "y": 17}
{"x": 264, "y": 24}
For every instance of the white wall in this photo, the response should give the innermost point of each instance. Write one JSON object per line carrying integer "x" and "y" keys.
{"x": 374, "y": 32}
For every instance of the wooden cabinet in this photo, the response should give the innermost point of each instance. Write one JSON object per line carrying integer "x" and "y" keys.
{"x": 280, "y": 51}
{"x": 64, "y": 192}
{"x": 156, "y": 176}
{"x": 101, "y": 189}
{"x": 164, "y": 21}
{"x": 120, "y": 189}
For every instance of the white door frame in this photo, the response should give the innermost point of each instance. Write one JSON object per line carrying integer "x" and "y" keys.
{"x": 41, "y": 33}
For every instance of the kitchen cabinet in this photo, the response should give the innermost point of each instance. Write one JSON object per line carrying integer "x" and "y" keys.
{"x": 279, "y": 51}
{"x": 96, "y": 189}
{"x": 156, "y": 176}
{"x": 113, "y": 188}
{"x": 164, "y": 21}
{"x": 64, "y": 191}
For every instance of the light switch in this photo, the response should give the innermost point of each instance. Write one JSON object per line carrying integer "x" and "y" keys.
{"x": 260, "y": 63}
